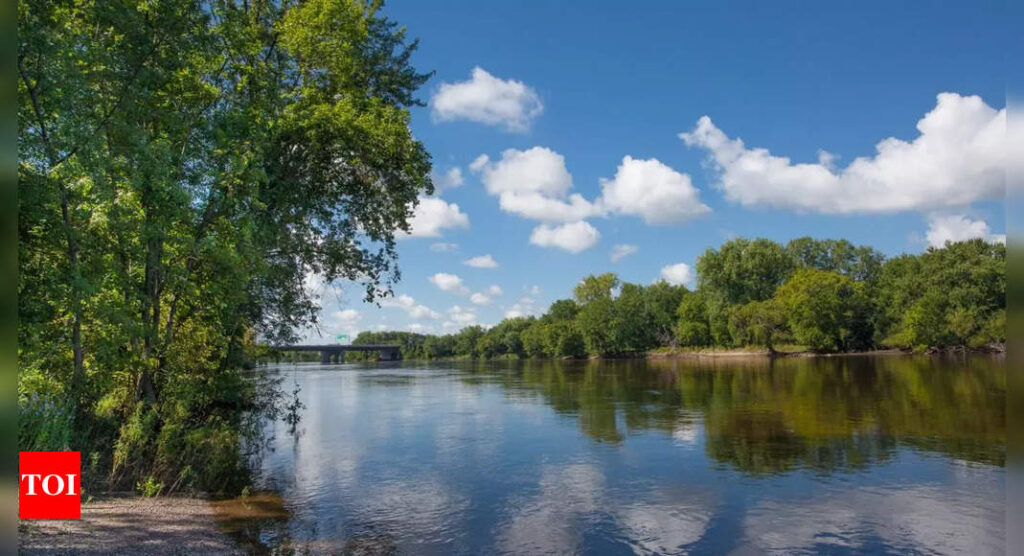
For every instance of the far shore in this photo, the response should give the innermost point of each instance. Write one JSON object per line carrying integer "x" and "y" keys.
{"x": 728, "y": 353}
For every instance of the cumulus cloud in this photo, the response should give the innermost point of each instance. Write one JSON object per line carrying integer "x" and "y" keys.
{"x": 442, "y": 247}
{"x": 534, "y": 184}
{"x": 462, "y": 316}
{"x": 677, "y": 274}
{"x": 958, "y": 158}
{"x": 652, "y": 191}
{"x": 433, "y": 215}
{"x": 449, "y": 283}
{"x": 489, "y": 100}
{"x": 957, "y": 227}
{"x": 447, "y": 180}
{"x": 622, "y": 251}
{"x": 482, "y": 261}
{"x": 485, "y": 297}
{"x": 574, "y": 237}
{"x": 409, "y": 305}
{"x": 480, "y": 298}
{"x": 526, "y": 306}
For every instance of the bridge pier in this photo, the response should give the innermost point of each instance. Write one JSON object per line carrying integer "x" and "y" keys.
{"x": 390, "y": 355}
{"x": 325, "y": 357}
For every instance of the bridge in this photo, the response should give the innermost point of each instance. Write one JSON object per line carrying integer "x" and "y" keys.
{"x": 335, "y": 353}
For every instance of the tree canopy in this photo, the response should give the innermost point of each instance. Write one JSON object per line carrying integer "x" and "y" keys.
{"x": 185, "y": 171}
{"x": 820, "y": 295}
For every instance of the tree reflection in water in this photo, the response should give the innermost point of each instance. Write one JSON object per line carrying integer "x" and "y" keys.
{"x": 764, "y": 416}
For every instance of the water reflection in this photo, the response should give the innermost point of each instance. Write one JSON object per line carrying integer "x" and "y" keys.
{"x": 766, "y": 416}
{"x": 872, "y": 454}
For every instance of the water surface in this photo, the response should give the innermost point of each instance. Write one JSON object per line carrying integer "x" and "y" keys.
{"x": 842, "y": 455}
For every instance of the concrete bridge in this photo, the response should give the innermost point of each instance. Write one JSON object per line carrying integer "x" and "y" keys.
{"x": 335, "y": 353}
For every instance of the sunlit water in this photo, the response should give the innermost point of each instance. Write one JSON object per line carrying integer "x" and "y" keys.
{"x": 844, "y": 455}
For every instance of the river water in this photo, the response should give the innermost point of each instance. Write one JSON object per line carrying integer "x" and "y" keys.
{"x": 844, "y": 455}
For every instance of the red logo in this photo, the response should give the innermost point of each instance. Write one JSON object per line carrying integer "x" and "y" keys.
{"x": 49, "y": 485}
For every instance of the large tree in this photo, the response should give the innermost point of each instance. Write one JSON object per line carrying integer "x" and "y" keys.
{"x": 185, "y": 170}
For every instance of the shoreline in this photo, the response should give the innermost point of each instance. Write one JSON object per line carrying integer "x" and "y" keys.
{"x": 718, "y": 353}
{"x": 128, "y": 524}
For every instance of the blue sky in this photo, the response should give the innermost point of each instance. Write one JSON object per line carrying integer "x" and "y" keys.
{"x": 565, "y": 91}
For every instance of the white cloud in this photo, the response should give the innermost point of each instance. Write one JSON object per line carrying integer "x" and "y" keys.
{"x": 534, "y": 184}
{"x": 341, "y": 321}
{"x": 480, "y": 298}
{"x": 448, "y": 180}
{"x": 487, "y": 100}
{"x": 652, "y": 191}
{"x": 346, "y": 315}
{"x": 482, "y": 261}
{"x": 526, "y": 306}
{"x": 433, "y": 215}
{"x": 622, "y": 251}
{"x": 959, "y": 157}
{"x": 534, "y": 290}
{"x": 479, "y": 163}
{"x": 409, "y": 305}
{"x": 416, "y": 327}
{"x": 575, "y": 237}
{"x": 957, "y": 227}
{"x": 547, "y": 209}
{"x": 449, "y": 283}
{"x": 677, "y": 274}
{"x": 441, "y": 247}
{"x": 462, "y": 316}
{"x": 494, "y": 290}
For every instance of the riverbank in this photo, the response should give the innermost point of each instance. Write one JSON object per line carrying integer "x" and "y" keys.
{"x": 993, "y": 349}
{"x": 758, "y": 352}
{"x": 131, "y": 525}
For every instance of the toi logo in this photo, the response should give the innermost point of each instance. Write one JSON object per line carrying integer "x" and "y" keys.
{"x": 49, "y": 485}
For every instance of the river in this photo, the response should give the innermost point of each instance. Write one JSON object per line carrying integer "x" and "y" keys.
{"x": 865, "y": 454}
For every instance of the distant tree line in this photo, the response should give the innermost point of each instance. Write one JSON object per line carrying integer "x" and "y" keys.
{"x": 818, "y": 295}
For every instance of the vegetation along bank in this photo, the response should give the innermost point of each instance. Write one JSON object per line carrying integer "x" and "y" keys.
{"x": 758, "y": 296}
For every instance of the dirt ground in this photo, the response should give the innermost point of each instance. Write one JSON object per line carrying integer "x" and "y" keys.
{"x": 130, "y": 525}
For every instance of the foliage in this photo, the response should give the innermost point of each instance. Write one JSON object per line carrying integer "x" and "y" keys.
{"x": 594, "y": 288}
{"x": 826, "y": 295}
{"x": 825, "y": 310}
{"x": 758, "y": 323}
{"x": 693, "y": 328}
{"x": 183, "y": 170}
{"x": 953, "y": 296}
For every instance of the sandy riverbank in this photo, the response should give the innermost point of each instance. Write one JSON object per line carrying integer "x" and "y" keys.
{"x": 130, "y": 525}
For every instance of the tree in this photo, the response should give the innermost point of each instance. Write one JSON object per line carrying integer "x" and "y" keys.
{"x": 563, "y": 339}
{"x": 693, "y": 328}
{"x": 743, "y": 270}
{"x": 593, "y": 288}
{"x": 466, "y": 340}
{"x": 949, "y": 296}
{"x": 759, "y": 323}
{"x": 860, "y": 263}
{"x": 561, "y": 310}
{"x": 662, "y": 301}
{"x": 533, "y": 340}
{"x": 595, "y": 321}
{"x": 826, "y": 311}
{"x": 183, "y": 171}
